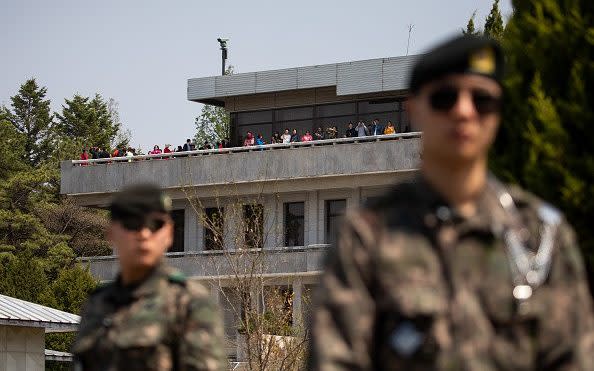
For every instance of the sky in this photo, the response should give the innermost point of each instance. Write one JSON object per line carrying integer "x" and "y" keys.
{"x": 141, "y": 53}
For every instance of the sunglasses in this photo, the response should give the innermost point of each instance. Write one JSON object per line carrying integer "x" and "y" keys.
{"x": 137, "y": 224}
{"x": 443, "y": 99}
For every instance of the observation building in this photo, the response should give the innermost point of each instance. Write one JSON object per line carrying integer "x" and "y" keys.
{"x": 277, "y": 205}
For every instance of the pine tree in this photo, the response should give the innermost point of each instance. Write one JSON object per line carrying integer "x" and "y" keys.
{"x": 90, "y": 120}
{"x": 470, "y": 29}
{"x": 545, "y": 142}
{"x": 494, "y": 22}
{"x": 31, "y": 117}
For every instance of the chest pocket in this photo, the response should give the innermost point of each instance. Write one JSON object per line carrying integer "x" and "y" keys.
{"x": 142, "y": 346}
{"x": 412, "y": 307}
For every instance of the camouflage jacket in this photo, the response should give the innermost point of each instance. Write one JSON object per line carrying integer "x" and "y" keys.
{"x": 164, "y": 323}
{"x": 414, "y": 286}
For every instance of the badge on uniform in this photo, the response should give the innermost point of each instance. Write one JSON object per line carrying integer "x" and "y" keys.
{"x": 406, "y": 339}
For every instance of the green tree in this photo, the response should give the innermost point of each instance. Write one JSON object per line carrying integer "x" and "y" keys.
{"x": 470, "y": 29}
{"x": 31, "y": 116}
{"x": 12, "y": 151}
{"x": 213, "y": 124}
{"x": 494, "y": 22}
{"x": 93, "y": 121}
{"x": 545, "y": 142}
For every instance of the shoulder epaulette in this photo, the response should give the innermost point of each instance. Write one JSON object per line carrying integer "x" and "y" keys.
{"x": 177, "y": 277}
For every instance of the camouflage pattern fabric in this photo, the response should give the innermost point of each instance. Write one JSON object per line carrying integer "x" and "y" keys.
{"x": 413, "y": 286}
{"x": 165, "y": 323}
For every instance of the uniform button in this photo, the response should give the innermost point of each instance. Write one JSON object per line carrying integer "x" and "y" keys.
{"x": 107, "y": 321}
{"x": 443, "y": 213}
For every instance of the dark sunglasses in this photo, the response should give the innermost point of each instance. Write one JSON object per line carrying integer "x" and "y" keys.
{"x": 137, "y": 224}
{"x": 445, "y": 98}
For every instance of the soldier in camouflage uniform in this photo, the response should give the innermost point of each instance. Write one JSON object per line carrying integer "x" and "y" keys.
{"x": 454, "y": 270}
{"x": 151, "y": 317}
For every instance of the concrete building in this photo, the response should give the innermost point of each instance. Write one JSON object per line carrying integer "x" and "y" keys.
{"x": 283, "y": 199}
{"x": 22, "y": 333}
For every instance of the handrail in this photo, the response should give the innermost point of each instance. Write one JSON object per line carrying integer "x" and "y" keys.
{"x": 278, "y": 249}
{"x": 264, "y": 147}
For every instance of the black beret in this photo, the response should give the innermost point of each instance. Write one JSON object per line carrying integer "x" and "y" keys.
{"x": 138, "y": 201}
{"x": 463, "y": 54}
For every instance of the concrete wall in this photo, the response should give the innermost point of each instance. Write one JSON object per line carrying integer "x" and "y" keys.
{"x": 22, "y": 348}
{"x": 246, "y": 167}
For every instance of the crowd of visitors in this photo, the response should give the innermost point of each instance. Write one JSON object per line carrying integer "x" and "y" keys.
{"x": 251, "y": 139}
{"x": 331, "y": 132}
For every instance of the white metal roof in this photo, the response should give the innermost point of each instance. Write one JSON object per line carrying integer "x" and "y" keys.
{"x": 16, "y": 312}
{"x": 357, "y": 77}
{"x": 55, "y": 355}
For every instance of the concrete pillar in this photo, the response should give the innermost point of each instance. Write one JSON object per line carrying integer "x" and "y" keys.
{"x": 297, "y": 307}
{"x": 311, "y": 219}
{"x": 356, "y": 199}
{"x": 271, "y": 229}
{"x": 232, "y": 225}
{"x": 191, "y": 227}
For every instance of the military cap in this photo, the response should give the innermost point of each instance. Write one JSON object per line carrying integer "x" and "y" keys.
{"x": 464, "y": 54}
{"x": 138, "y": 201}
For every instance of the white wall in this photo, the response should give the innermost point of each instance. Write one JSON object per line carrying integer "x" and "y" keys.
{"x": 22, "y": 348}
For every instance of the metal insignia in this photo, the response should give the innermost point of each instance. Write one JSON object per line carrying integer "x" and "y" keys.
{"x": 406, "y": 339}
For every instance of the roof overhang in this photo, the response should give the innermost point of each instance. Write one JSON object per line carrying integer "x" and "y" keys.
{"x": 357, "y": 77}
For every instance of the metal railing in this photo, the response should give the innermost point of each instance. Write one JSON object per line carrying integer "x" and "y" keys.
{"x": 258, "y": 148}
{"x": 280, "y": 249}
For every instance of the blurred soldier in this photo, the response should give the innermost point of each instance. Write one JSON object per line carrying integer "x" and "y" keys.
{"x": 151, "y": 317}
{"x": 454, "y": 270}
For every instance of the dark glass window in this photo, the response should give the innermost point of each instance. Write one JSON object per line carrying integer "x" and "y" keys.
{"x": 253, "y": 216}
{"x": 213, "y": 228}
{"x": 301, "y": 125}
{"x": 248, "y": 118}
{"x": 294, "y": 223}
{"x": 178, "y": 217}
{"x": 378, "y": 106}
{"x": 341, "y": 109}
{"x": 294, "y": 113}
{"x": 334, "y": 212}
{"x": 264, "y": 129}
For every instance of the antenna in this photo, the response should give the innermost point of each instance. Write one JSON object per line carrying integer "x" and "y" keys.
{"x": 410, "y": 28}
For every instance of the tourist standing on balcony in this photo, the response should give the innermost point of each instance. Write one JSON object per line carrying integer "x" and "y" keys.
{"x": 390, "y": 128}
{"x": 286, "y": 137}
{"x": 376, "y": 128}
{"x": 455, "y": 270}
{"x": 351, "y": 132}
{"x": 156, "y": 150}
{"x": 362, "y": 129}
{"x": 84, "y": 156}
{"x": 294, "y": 136}
{"x": 188, "y": 145}
{"x": 276, "y": 138}
{"x": 151, "y": 317}
{"x": 319, "y": 134}
{"x": 260, "y": 140}
{"x": 249, "y": 139}
{"x": 306, "y": 137}
{"x": 331, "y": 132}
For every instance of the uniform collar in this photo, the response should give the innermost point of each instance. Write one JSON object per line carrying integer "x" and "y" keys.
{"x": 148, "y": 286}
{"x": 489, "y": 217}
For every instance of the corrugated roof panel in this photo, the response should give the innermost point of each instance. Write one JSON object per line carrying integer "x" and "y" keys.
{"x": 20, "y": 310}
{"x": 359, "y": 77}
{"x": 277, "y": 80}
{"x": 201, "y": 88}
{"x": 242, "y": 83}
{"x": 316, "y": 76}
{"x": 396, "y": 72}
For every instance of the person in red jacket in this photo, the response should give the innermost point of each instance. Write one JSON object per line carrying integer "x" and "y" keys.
{"x": 84, "y": 156}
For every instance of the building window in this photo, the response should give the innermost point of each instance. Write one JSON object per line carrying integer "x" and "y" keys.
{"x": 213, "y": 228}
{"x": 253, "y": 216}
{"x": 294, "y": 223}
{"x": 178, "y": 217}
{"x": 334, "y": 212}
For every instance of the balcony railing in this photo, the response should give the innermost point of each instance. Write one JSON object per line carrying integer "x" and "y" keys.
{"x": 272, "y": 262}
{"x": 265, "y": 147}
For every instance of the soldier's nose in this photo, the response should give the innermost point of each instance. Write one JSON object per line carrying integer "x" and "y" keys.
{"x": 464, "y": 107}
